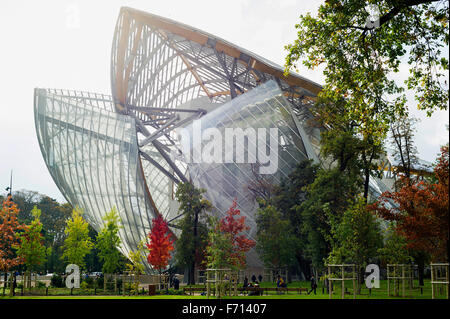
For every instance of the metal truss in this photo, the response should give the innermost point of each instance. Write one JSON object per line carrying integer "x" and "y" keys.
{"x": 159, "y": 65}
{"x": 115, "y": 151}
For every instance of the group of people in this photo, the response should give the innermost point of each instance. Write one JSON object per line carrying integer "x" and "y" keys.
{"x": 253, "y": 283}
{"x": 281, "y": 283}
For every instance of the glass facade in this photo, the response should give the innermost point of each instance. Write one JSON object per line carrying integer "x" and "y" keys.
{"x": 117, "y": 151}
{"x": 92, "y": 155}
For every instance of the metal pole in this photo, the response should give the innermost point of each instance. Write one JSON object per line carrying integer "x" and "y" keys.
{"x": 329, "y": 281}
{"x": 388, "y": 281}
{"x": 403, "y": 280}
{"x": 342, "y": 283}
{"x": 446, "y": 277}
{"x": 207, "y": 284}
{"x": 354, "y": 282}
{"x": 432, "y": 281}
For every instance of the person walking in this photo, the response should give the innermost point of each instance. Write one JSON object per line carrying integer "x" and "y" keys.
{"x": 313, "y": 285}
{"x": 176, "y": 283}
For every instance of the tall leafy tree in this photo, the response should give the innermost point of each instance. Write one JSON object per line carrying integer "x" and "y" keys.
{"x": 160, "y": 245}
{"x": 360, "y": 54}
{"x": 108, "y": 241}
{"x": 135, "y": 265}
{"x": 291, "y": 192}
{"x": 191, "y": 244}
{"x": 234, "y": 225}
{"x": 219, "y": 248}
{"x": 356, "y": 237}
{"x": 421, "y": 213}
{"x": 361, "y": 50}
{"x": 26, "y": 200}
{"x": 327, "y": 197}
{"x": 31, "y": 247}
{"x": 404, "y": 149}
{"x": 275, "y": 242}
{"x": 228, "y": 243}
{"x": 394, "y": 250}
{"x": 77, "y": 243}
{"x": 9, "y": 236}
{"x": 53, "y": 218}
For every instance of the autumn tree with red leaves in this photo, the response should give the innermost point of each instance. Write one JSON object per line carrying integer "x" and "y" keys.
{"x": 160, "y": 244}
{"x": 9, "y": 236}
{"x": 228, "y": 245}
{"x": 421, "y": 214}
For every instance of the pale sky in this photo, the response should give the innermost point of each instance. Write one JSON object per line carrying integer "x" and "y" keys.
{"x": 67, "y": 45}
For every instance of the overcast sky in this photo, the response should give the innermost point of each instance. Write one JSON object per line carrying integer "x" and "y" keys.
{"x": 67, "y": 44}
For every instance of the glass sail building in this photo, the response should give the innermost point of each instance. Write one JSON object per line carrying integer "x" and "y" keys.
{"x": 125, "y": 150}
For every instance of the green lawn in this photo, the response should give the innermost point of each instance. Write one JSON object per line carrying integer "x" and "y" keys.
{"x": 380, "y": 293}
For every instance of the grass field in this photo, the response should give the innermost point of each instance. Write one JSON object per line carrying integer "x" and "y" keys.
{"x": 376, "y": 293}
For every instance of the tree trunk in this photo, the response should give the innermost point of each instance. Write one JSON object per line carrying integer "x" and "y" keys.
{"x": 361, "y": 272}
{"x": 104, "y": 282}
{"x": 366, "y": 184}
{"x": 192, "y": 268}
{"x": 11, "y": 285}
{"x": 5, "y": 278}
{"x": 421, "y": 270}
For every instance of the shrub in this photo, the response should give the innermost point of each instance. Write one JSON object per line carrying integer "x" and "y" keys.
{"x": 41, "y": 284}
{"x": 57, "y": 281}
{"x": 171, "y": 291}
{"x": 89, "y": 282}
{"x": 84, "y": 285}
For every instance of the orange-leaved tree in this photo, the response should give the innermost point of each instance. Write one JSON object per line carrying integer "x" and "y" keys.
{"x": 9, "y": 235}
{"x": 233, "y": 224}
{"x": 421, "y": 211}
{"x": 160, "y": 244}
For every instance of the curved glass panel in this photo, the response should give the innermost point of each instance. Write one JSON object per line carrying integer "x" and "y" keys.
{"x": 92, "y": 155}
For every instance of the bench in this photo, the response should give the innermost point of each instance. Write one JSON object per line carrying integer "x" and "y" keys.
{"x": 274, "y": 289}
{"x": 260, "y": 290}
{"x": 193, "y": 289}
{"x": 287, "y": 289}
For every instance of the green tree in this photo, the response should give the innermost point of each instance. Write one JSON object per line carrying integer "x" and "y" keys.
{"x": 275, "y": 241}
{"x": 30, "y": 248}
{"x": 404, "y": 149}
{"x": 356, "y": 237}
{"x": 394, "y": 250}
{"x": 327, "y": 197}
{"x": 53, "y": 218}
{"x": 360, "y": 56}
{"x": 135, "y": 265}
{"x": 219, "y": 248}
{"x": 191, "y": 244}
{"x": 344, "y": 147}
{"x": 77, "y": 244}
{"x": 107, "y": 243}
